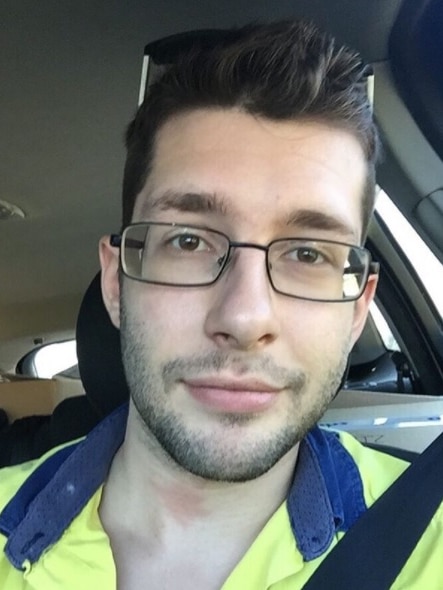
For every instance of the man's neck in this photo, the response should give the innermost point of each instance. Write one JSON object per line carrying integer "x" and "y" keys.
{"x": 166, "y": 510}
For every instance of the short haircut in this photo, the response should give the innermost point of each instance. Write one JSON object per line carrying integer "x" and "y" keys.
{"x": 279, "y": 71}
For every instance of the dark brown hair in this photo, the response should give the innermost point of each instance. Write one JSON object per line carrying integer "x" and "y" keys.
{"x": 280, "y": 71}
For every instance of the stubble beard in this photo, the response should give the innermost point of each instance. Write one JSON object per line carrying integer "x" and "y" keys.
{"x": 193, "y": 450}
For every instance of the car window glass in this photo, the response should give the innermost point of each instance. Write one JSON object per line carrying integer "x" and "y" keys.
{"x": 383, "y": 328}
{"x": 49, "y": 360}
{"x": 427, "y": 266}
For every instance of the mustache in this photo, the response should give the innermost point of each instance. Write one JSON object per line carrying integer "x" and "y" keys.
{"x": 217, "y": 361}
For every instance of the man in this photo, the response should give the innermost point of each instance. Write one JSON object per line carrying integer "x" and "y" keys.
{"x": 239, "y": 285}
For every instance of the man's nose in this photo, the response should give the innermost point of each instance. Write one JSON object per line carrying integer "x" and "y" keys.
{"x": 242, "y": 313}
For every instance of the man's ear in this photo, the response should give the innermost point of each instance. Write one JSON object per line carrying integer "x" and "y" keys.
{"x": 109, "y": 261}
{"x": 361, "y": 308}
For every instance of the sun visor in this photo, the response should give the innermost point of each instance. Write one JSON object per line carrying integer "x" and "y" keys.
{"x": 416, "y": 56}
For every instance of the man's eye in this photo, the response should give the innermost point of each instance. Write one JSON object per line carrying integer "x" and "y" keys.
{"x": 307, "y": 255}
{"x": 189, "y": 243}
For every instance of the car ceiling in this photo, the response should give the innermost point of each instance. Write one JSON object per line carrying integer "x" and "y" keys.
{"x": 70, "y": 79}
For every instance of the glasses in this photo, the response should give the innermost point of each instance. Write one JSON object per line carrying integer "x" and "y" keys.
{"x": 167, "y": 50}
{"x": 194, "y": 256}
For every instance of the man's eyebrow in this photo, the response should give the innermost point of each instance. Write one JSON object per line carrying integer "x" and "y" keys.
{"x": 205, "y": 202}
{"x": 188, "y": 202}
{"x": 317, "y": 220}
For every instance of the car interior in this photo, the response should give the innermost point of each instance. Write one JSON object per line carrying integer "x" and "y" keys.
{"x": 71, "y": 79}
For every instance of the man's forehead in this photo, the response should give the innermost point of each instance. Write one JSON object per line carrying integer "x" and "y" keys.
{"x": 216, "y": 128}
{"x": 231, "y": 131}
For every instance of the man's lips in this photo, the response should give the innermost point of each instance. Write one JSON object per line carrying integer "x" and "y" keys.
{"x": 233, "y": 395}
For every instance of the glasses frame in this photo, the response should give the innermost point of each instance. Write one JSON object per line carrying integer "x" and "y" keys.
{"x": 166, "y": 51}
{"x": 118, "y": 240}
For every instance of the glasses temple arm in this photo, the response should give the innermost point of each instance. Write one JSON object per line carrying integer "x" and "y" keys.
{"x": 374, "y": 269}
{"x": 116, "y": 241}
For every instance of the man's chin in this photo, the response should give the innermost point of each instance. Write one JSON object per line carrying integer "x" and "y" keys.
{"x": 230, "y": 452}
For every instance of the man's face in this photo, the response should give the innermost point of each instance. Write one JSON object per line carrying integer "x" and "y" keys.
{"x": 228, "y": 378}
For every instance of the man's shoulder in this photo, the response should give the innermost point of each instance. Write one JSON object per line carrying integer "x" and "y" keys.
{"x": 95, "y": 452}
{"x": 378, "y": 469}
{"x": 38, "y": 513}
{"x": 12, "y": 478}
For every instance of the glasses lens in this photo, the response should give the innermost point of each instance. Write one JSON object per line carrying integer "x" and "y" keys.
{"x": 173, "y": 254}
{"x": 318, "y": 270}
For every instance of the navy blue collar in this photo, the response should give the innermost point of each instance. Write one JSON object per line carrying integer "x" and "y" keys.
{"x": 326, "y": 495}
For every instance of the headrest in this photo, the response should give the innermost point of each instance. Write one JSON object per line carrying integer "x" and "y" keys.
{"x": 99, "y": 355}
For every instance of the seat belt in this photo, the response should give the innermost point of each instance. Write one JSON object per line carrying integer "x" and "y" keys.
{"x": 373, "y": 552}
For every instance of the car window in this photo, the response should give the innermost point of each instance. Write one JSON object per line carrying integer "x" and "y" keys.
{"x": 49, "y": 360}
{"x": 383, "y": 328}
{"x": 427, "y": 266}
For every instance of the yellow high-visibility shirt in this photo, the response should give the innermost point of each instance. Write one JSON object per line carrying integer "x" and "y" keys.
{"x": 51, "y": 536}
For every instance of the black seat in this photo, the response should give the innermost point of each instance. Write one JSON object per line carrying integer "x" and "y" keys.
{"x": 100, "y": 367}
{"x": 101, "y": 371}
{"x": 99, "y": 355}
